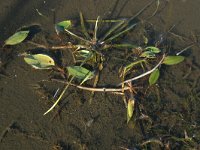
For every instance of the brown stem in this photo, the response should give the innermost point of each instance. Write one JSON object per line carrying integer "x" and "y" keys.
{"x": 36, "y": 44}
{"x": 51, "y": 47}
{"x": 93, "y": 89}
{"x": 62, "y": 47}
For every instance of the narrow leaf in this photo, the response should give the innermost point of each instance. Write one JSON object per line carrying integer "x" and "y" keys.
{"x": 130, "y": 66}
{"x": 17, "y": 38}
{"x": 120, "y": 33}
{"x": 154, "y": 77}
{"x": 130, "y": 109}
{"x": 112, "y": 29}
{"x": 84, "y": 27}
{"x": 172, "y": 60}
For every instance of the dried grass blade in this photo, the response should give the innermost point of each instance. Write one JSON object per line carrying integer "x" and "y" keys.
{"x": 59, "y": 98}
{"x": 95, "y": 29}
{"x": 157, "y": 6}
{"x": 152, "y": 141}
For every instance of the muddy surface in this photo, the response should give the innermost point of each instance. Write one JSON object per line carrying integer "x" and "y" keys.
{"x": 172, "y": 106}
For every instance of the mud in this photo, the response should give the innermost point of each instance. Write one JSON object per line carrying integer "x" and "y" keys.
{"x": 172, "y": 106}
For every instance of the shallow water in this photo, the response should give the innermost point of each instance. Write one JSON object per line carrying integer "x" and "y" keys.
{"x": 102, "y": 125}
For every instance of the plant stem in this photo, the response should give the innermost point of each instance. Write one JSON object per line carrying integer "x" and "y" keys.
{"x": 113, "y": 89}
{"x": 94, "y": 89}
{"x": 144, "y": 74}
{"x": 36, "y": 44}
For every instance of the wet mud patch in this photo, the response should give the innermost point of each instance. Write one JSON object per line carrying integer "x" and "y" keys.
{"x": 172, "y": 107}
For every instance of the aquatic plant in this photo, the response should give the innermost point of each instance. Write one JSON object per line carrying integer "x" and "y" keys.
{"x": 90, "y": 51}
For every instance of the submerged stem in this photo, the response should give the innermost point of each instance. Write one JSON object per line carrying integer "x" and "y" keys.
{"x": 120, "y": 33}
{"x": 84, "y": 27}
{"x": 122, "y": 26}
{"x": 112, "y": 30}
{"x": 76, "y": 36}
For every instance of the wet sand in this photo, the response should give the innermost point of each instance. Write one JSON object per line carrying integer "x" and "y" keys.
{"x": 22, "y": 124}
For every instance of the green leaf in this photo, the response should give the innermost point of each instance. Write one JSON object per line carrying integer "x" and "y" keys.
{"x": 130, "y": 109}
{"x": 154, "y": 77}
{"x": 80, "y": 73}
{"x": 61, "y": 26}
{"x": 172, "y": 60}
{"x": 130, "y": 66}
{"x": 148, "y": 54}
{"x": 153, "y": 49}
{"x": 39, "y": 61}
{"x": 17, "y": 38}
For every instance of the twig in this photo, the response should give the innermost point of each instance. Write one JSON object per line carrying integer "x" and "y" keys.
{"x": 191, "y": 45}
{"x": 62, "y": 47}
{"x": 157, "y": 6}
{"x": 53, "y": 47}
{"x": 36, "y": 44}
{"x": 34, "y": 137}
{"x": 144, "y": 74}
{"x": 93, "y": 89}
{"x": 3, "y": 75}
{"x": 152, "y": 141}
{"x": 7, "y": 129}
